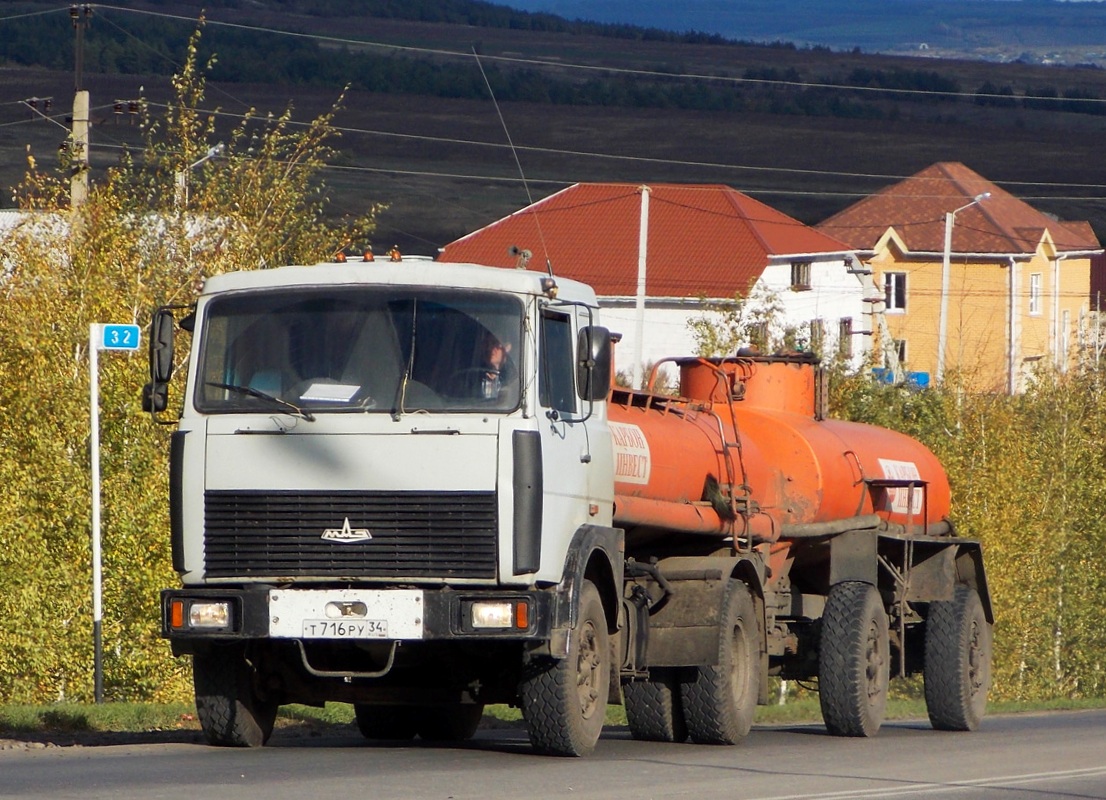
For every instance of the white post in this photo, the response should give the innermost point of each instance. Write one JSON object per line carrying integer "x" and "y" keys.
{"x": 94, "y": 340}
{"x": 101, "y": 336}
{"x": 639, "y": 301}
{"x": 78, "y": 183}
{"x": 942, "y": 330}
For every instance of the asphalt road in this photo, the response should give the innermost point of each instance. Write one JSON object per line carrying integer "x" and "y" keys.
{"x": 1017, "y": 757}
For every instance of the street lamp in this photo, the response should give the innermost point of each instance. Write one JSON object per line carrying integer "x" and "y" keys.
{"x": 942, "y": 334}
{"x": 182, "y": 174}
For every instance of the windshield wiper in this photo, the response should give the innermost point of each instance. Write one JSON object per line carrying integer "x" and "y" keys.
{"x": 260, "y": 395}
{"x": 401, "y": 390}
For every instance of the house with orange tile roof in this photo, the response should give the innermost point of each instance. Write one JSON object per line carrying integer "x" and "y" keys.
{"x": 975, "y": 281}
{"x": 660, "y": 255}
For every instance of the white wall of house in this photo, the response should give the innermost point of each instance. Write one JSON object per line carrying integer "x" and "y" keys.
{"x": 835, "y": 293}
{"x": 667, "y": 332}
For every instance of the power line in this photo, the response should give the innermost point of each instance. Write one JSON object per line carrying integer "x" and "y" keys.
{"x": 581, "y": 153}
{"x": 11, "y": 17}
{"x": 574, "y": 153}
{"x": 663, "y": 162}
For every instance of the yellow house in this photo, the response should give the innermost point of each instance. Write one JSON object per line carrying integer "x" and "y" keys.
{"x": 975, "y": 281}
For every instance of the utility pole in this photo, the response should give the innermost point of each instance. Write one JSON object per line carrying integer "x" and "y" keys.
{"x": 78, "y": 186}
{"x": 639, "y": 296}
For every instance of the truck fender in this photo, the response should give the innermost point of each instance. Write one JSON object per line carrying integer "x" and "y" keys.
{"x": 683, "y": 630}
{"x": 969, "y": 570}
{"x": 596, "y": 554}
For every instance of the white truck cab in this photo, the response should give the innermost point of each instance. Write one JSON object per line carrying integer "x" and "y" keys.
{"x": 391, "y": 485}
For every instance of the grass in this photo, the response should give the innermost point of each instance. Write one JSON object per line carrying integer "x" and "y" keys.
{"x": 81, "y": 723}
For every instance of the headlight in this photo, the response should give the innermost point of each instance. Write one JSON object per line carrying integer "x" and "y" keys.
{"x": 500, "y": 614}
{"x": 200, "y": 614}
{"x": 209, "y": 615}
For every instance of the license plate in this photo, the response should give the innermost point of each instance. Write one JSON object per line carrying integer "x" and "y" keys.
{"x": 346, "y": 614}
{"x": 345, "y": 629}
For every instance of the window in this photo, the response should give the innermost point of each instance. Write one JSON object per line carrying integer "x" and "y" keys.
{"x": 360, "y": 350}
{"x": 1035, "y": 293}
{"x": 845, "y": 337}
{"x": 900, "y": 350}
{"x": 800, "y": 276}
{"x": 894, "y": 290}
{"x": 556, "y": 381}
{"x": 817, "y": 336}
{"x": 758, "y": 335}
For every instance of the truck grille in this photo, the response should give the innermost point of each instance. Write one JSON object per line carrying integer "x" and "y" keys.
{"x": 413, "y": 534}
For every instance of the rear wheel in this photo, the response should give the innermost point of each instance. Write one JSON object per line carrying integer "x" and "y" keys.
{"x": 854, "y": 662}
{"x": 564, "y": 701}
{"x": 397, "y": 723}
{"x": 957, "y": 671}
{"x": 230, "y": 711}
{"x": 654, "y": 710}
{"x": 452, "y": 723}
{"x": 719, "y": 703}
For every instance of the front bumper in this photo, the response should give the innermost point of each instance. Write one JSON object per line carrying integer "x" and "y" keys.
{"x": 241, "y": 614}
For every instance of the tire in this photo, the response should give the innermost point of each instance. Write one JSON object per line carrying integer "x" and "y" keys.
{"x": 452, "y": 723}
{"x": 654, "y": 710}
{"x": 564, "y": 701}
{"x": 957, "y": 671}
{"x": 231, "y": 713}
{"x": 854, "y": 661}
{"x": 721, "y": 700}
{"x": 395, "y": 723}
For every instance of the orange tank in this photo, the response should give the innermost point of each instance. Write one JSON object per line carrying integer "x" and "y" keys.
{"x": 745, "y": 452}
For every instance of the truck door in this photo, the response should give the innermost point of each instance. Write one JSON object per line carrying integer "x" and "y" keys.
{"x": 572, "y": 497}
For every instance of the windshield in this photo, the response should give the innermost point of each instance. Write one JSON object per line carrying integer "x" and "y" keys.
{"x": 375, "y": 349}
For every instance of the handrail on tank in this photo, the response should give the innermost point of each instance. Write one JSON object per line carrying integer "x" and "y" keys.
{"x": 652, "y": 382}
{"x": 723, "y": 378}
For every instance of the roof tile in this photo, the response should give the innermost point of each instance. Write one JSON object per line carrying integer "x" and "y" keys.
{"x": 916, "y": 208}
{"x": 704, "y": 240}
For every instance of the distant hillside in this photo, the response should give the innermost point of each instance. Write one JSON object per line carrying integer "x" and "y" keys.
{"x": 646, "y": 62}
{"x": 1001, "y": 30}
{"x": 806, "y": 129}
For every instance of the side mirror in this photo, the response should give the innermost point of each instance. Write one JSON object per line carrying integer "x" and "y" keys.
{"x": 155, "y": 397}
{"x": 161, "y": 346}
{"x": 593, "y": 362}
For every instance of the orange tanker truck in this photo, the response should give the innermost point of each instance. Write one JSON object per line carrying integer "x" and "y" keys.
{"x": 823, "y": 547}
{"x": 411, "y": 487}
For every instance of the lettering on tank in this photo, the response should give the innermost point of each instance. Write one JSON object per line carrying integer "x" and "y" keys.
{"x": 632, "y": 462}
{"x": 900, "y": 497}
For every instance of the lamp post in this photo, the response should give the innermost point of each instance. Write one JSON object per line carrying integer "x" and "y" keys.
{"x": 182, "y": 174}
{"x": 942, "y": 332}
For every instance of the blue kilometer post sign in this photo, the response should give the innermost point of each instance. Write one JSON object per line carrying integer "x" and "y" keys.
{"x": 119, "y": 337}
{"x": 101, "y": 336}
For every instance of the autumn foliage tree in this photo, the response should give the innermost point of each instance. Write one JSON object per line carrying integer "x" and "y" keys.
{"x": 153, "y": 227}
{"x": 1028, "y": 478}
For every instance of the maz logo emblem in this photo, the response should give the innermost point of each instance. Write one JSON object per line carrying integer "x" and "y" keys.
{"x": 346, "y": 534}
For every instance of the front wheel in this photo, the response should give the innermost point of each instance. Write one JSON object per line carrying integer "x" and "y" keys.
{"x": 231, "y": 712}
{"x": 957, "y": 671}
{"x": 564, "y": 701}
{"x": 854, "y": 661}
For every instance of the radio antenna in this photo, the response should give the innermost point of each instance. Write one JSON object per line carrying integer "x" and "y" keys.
{"x": 518, "y": 163}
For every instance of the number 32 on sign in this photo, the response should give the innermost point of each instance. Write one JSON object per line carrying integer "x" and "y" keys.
{"x": 115, "y": 336}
